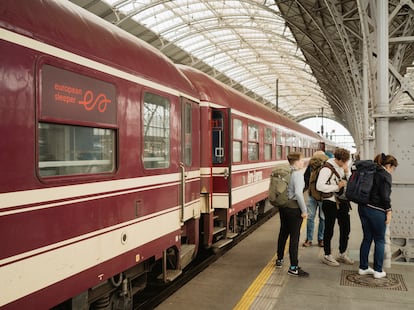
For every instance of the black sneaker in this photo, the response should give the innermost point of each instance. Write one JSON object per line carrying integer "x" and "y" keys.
{"x": 298, "y": 272}
{"x": 279, "y": 263}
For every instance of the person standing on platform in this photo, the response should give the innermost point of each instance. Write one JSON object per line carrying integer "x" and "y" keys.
{"x": 376, "y": 215}
{"x": 314, "y": 206}
{"x": 332, "y": 178}
{"x": 344, "y": 222}
{"x": 291, "y": 217}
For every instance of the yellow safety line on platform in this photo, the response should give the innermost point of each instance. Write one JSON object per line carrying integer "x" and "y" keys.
{"x": 250, "y": 295}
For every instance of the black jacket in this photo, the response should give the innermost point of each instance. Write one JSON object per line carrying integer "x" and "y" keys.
{"x": 380, "y": 196}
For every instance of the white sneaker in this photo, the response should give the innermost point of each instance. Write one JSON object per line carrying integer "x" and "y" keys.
{"x": 344, "y": 258}
{"x": 363, "y": 272}
{"x": 379, "y": 275}
{"x": 330, "y": 260}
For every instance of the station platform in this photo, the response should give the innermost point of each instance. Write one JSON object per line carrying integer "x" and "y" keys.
{"x": 246, "y": 278}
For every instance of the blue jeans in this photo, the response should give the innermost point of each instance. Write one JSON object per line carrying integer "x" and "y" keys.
{"x": 373, "y": 227}
{"x": 313, "y": 207}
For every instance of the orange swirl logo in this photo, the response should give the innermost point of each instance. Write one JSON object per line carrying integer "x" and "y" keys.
{"x": 89, "y": 102}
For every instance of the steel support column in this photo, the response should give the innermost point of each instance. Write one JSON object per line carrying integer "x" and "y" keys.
{"x": 382, "y": 106}
{"x": 365, "y": 98}
{"x": 364, "y": 146}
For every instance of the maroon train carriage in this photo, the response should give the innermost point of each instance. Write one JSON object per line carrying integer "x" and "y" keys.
{"x": 115, "y": 162}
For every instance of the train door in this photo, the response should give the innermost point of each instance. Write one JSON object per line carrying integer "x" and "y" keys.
{"x": 221, "y": 173}
{"x": 190, "y": 157}
{"x": 190, "y": 179}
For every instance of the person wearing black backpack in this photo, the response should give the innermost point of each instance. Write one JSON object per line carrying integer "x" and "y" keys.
{"x": 375, "y": 215}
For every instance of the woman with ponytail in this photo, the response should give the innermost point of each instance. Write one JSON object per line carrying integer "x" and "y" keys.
{"x": 376, "y": 215}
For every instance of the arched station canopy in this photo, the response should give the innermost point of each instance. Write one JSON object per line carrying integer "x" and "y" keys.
{"x": 301, "y": 57}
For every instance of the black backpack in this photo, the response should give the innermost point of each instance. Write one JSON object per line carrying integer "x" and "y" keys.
{"x": 360, "y": 183}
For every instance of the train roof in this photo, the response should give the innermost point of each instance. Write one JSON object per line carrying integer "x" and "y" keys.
{"x": 214, "y": 91}
{"x": 65, "y": 25}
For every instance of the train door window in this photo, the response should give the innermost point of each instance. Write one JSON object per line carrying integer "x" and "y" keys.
{"x": 187, "y": 137}
{"x": 253, "y": 144}
{"x": 218, "y": 137}
{"x": 268, "y": 137}
{"x": 156, "y": 132}
{"x": 237, "y": 140}
{"x": 68, "y": 150}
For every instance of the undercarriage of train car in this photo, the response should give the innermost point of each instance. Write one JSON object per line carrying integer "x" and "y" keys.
{"x": 226, "y": 226}
{"x": 119, "y": 291}
{"x": 114, "y": 293}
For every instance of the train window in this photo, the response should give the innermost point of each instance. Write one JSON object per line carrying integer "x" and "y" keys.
{"x": 237, "y": 151}
{"x": 279, "y": 138}
{"x": 268, "y": 135}
{"x": 253, "y": 151}
{"x": 237, "y": 140}
{"x": 287, "y": 150}
{"x": 253, "y": 132}
{"x": 187, "y": 138}
{"x": 288, "y": 139}
{"x": 268, "y": 144}
{"x": 68, "y": 150}
{"x": 156, "y": 132}
{"x": 237, "y": 129}
{"x": 268, "y": 152}
{"x": 278, "y": 152}
{"x": 253, "y": 145}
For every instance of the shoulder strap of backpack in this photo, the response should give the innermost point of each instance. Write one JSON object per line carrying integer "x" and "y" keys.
{"x": 329, "y": 165}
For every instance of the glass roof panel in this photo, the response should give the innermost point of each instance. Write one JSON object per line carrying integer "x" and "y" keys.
{"x": 245, "y": 40}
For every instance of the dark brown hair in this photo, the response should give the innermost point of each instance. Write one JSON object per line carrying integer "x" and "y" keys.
{"x": 342, "y": 154}
{"x": 382, "y": 159}
{"x": 294, "y": 157}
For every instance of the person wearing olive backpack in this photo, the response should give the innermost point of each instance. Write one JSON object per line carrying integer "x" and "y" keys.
{"x": 291, "y": 217}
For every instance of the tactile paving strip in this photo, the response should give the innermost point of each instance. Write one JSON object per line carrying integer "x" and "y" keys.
{"x": 392, "y": 281}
